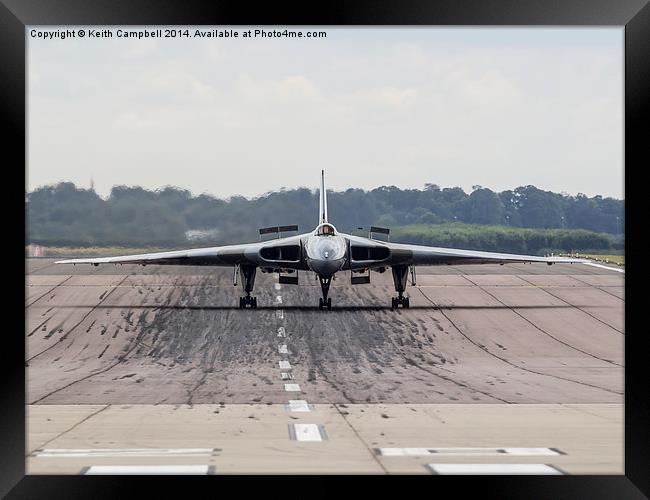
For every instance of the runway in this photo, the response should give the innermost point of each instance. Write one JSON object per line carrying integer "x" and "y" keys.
{"x": 171, "y": 340}
{"x": 359, "y": 438}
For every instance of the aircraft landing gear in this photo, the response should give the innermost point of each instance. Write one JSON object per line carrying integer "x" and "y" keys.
{"x": 248, "y": 301}
{"x": 247, "y": 274}
{"x": 400, "y": 274}
{"x": 397, "y": 301}
{"x": 325, "y": 288}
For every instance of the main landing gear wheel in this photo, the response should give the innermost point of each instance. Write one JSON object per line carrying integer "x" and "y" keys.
{"x": 247, "y": 274}
{"x": 248, "y": 301}
{"x": 325, "y": 303}
{"x": 399, "y": 278}
{"x": 397, "y": 301}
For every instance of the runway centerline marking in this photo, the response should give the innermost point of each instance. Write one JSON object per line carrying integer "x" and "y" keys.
{"x": 282, "y": 332}
{"x": 280, "y": 314}
{"x": 307, "y": 432}
{"x": 278, "y": 299}
{"x": 479, "y": 469}
{"x": 410, "y": 452}
{"x": 286, "y": 376}
{"x": 149, "y": 469}
{"x": 282, "y": 349}
{"x": 298, "y": 405}
{"x": 292, "y": 387}
{"x": 284, "y": 365}
{"x": 277, "y": 286}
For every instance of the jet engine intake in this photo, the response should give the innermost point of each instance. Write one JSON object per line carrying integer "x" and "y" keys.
{"x": 281, "y": 253}
{"x": 367, "y": 253}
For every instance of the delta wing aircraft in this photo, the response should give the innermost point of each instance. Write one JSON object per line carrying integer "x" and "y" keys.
{"x": 324, "y": 251}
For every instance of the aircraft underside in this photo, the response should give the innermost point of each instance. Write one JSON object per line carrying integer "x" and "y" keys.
{"x": 247, "y": 272}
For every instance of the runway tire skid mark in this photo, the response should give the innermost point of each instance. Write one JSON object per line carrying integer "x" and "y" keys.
{"x": 370, "y": 356}
{"x": 65, "y": 335}
{"x": 198, "y": 348}
{"x": 190, "y": 344}
{"x": 49, "y": 290}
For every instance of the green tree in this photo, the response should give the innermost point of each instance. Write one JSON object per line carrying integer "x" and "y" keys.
{"x": 484, "y": 207}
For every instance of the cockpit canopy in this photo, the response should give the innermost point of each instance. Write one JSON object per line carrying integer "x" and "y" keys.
{"x": 325, "y": 230}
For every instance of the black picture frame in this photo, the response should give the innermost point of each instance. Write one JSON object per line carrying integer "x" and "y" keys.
{"x": 634, "y": 15}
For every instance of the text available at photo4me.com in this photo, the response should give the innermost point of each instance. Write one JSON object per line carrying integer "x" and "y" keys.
{"x": 147, "y": 33}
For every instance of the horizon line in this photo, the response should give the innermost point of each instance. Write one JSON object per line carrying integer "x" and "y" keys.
{"x": 314, "y": 190}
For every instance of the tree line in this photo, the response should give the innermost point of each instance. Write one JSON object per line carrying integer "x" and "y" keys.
{"x": 64, "y": 215}
{"x": 509, "y": 239}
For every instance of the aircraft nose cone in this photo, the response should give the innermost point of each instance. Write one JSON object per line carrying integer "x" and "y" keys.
{"x": 325, "y": 255}
{"x": 326, "y": 267}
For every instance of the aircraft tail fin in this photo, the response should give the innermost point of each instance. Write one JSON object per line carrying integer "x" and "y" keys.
{"x": 322, "y": 213}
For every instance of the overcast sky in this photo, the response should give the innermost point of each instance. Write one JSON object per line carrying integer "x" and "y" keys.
{"x": 372, "y": 106}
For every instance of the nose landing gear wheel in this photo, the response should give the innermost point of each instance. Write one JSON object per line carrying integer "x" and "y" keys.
{"x": 248, "y": 301}
{"x": 325, "y": 286}
{"x": 325, "y": 303}
{"x": 395, "y": 302}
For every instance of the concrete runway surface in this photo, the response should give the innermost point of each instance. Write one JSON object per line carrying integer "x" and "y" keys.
{"x": 132, "y": 358}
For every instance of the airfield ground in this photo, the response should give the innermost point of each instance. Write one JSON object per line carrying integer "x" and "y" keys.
{"x": 514, "y": 366}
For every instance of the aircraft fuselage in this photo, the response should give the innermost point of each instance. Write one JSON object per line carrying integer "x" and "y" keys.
{"x": 325, "y": 254}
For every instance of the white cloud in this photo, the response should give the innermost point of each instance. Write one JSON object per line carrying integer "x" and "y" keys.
{"x": 290, "y": 88}
{"x": 369, "y": 108}
{"x": 130, "y": 122}
{"x": 174, "y": 84}
{"x": 386, "y": 96}
{"x": 138, "y": 49}
{"x": 491, "y": 86}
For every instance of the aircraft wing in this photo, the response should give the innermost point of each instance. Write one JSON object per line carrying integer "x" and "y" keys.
{"x": 424, "y": 255}
{"x": 214, "y": 256}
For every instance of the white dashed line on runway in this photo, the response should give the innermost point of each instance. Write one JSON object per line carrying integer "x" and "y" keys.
{"x": 477, "y": 469}
{"x": 297, "y": 432}
{"x": 278, "y": 299}
{"x": 307, "y": 432}
{"x": 298, "y": 405}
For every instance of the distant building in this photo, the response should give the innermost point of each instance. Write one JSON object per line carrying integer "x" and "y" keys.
{"x": 201, "y": 234}
{"x": 35, "y": 251}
